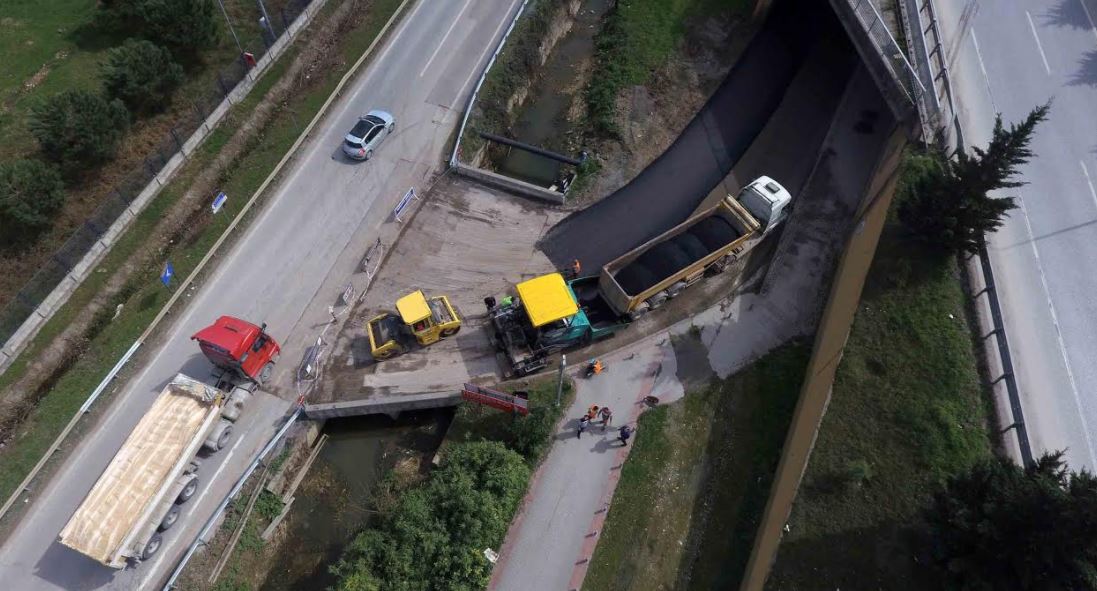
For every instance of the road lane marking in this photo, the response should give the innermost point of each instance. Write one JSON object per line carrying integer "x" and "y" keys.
{"x": 444, "y": 37}
{"x": 1089, "y": 17}
{"x": 1089, "y": 182}
{"x": 1058, "y": 333}
{"x": 1039, "y": 46}
{"x": 983, "y": 68}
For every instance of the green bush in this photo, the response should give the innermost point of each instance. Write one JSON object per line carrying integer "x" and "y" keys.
{"x": 183, "y": 26}
{"x": 79, "y": 129}
{"x": 30, "y": 193}
{"x": 436, "y": 536}
{"x": 142, "y": 75}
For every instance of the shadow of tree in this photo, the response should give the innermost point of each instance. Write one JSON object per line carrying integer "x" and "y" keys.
{"x": 1086, "y": 75}
{"x": 1067, "y": 13}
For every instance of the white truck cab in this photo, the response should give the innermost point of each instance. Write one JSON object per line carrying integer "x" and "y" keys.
{"x": 766, "y": 200}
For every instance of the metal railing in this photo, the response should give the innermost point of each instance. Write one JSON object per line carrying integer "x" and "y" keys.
{"x": 453, "y": 159}
{"x": 923, "y": 12}
{"x": 896, "y": 61}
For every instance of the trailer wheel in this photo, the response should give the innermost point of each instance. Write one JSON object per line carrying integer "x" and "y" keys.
{"x": 152, "y": 546}
{"x": 449, "y": 332}
{"x": 169, "y": 518}
{"x": 188, "y": 491}
{"x": 223, "y": 438}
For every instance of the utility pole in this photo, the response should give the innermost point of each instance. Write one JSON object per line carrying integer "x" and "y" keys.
{"x": 560, "y": 378}
{"x": 267, "y": 24}
{"x": 231, "y": 30}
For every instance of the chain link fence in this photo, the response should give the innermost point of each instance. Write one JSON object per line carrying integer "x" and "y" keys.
{"x": 54, "y": 270}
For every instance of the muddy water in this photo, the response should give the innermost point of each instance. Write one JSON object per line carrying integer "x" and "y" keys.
{"x": 332, "y": 504}
{"x": 542, "y": 121}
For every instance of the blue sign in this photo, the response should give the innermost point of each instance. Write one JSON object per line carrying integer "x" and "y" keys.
{"x": 169, "y": 272}
{"x": 219, "y": 201}
{"x": 403, "y": 204}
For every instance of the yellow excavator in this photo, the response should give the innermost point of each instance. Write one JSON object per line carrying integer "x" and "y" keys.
{"x": 418, "y": 319}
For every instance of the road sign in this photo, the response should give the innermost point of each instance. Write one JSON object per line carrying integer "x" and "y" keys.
{"x": 399, "y": 209}
{"x": 169, "y": 272}
{"x": 218, "y": 201}
{"x": 495, "y": 399}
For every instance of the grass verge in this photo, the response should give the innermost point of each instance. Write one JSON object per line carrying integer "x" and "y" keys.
{"x": 516, "y": 66}
{"x": 144, "y": 296}
{"x": 430, "y": 531}
{"x": 693, "y": 489}
{"x": 907, "y": 411}
{"x": 637, "y": 37}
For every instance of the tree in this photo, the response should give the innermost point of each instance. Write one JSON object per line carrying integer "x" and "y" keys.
{"x": 1003, "y": 527}
{"x": 183, "y": 26}
{"x": 31, "y": 191}
{"x": 79, "y": 129}
{"x": 142, "y": 75}
{"x": 949, "y": 206}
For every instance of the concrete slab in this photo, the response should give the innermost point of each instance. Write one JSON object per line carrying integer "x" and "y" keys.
{"x": 467, "y": 242}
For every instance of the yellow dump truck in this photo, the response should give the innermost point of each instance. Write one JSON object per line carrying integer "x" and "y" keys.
{"x": 418, "y": 319}
{"x": 139, "y": 495}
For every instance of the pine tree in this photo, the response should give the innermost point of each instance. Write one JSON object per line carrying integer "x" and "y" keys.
{"x": 142, "y": 75}
{"x": 1003, "y": 527}
{"x": 949, "y": 205}
{"x": 79, "y": 129}
{"x": 31, "y": 192}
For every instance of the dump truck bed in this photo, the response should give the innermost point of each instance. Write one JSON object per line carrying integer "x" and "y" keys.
{"x": 153, "y": 456}
{"x": 683, "y": 251}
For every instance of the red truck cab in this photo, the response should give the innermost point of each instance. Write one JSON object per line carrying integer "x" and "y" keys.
{"x": 239, "y": 347}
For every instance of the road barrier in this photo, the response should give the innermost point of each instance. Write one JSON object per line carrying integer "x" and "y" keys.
{"x": 980, "y": 271}
{"x": 453, "y": 159}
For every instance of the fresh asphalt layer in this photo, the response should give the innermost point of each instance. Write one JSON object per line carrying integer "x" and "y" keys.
{"x": 1009, "y": 57}
{"x": 422, "y": 75}
{"x": 671, "y": 188}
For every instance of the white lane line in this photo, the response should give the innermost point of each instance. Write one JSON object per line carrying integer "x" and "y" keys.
{"x": 1089, "y": 17}
{"x": 1039, "y": 46}
{"x": 442, "y": 43}
{"x": 1089, "y": 182}
{"x": 983, "y": 68}
{"x": 1058, "y": 332}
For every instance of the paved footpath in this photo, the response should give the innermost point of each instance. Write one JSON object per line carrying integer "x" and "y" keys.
{"x": 552, "y": 539}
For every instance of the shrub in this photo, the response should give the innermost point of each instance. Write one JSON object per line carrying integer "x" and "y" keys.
{"x": 30, "y": 193}
{"x": 435, "y": 537}
{"x": 142, "y": 75}
{"x": 79, "y": 129}
{"x": 183, "y": 26}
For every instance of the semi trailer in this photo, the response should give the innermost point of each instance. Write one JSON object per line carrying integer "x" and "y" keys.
{"x": 141, "y": 493}
{"x": 549, "y": 314}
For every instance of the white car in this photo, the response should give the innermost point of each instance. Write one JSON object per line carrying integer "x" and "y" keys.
{"x": 367, "y": 134}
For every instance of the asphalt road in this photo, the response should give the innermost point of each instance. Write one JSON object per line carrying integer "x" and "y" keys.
{"x": 422, "y": 75}
{"x": 1011, "y": 57}
{"x": 672, "y": 187}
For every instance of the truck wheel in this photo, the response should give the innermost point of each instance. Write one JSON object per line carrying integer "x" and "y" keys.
{"x": 188, "y": 491}
{"x": 449, "y": 332}
{"x": 657, "y": 300}
{"x": 152, "y": 547}
{"x": 223, "y": 438}
{"x": 266, "y": 372}
{"x": 169, "y": 518}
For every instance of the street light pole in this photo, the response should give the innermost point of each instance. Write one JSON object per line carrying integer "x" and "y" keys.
{"x": 560, "y": 379}
{"x": 231, "y": 30}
